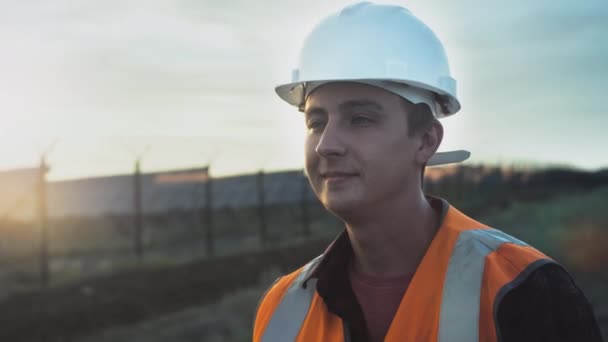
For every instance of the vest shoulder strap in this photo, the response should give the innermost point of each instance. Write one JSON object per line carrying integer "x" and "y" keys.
{"x": 462, "y": 288}
{"x": 285, "y": 305}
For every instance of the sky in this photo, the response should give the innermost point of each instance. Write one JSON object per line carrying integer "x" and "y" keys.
{"x": 97, "y": 84}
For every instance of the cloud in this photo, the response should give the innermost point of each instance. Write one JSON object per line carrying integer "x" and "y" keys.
{"x": 207, "y": 67}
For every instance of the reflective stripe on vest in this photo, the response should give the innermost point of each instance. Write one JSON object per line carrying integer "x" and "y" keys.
{"x": 290, "y": 314}
{"x": 459, "y": 316}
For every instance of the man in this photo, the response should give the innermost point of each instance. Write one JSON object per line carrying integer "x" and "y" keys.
{"x": 372, "y": 81}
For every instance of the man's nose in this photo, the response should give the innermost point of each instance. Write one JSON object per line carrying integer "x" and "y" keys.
{"x": 331, "y": 144}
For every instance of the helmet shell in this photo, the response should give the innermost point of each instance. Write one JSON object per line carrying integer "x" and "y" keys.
{"x": 370, "y": 42}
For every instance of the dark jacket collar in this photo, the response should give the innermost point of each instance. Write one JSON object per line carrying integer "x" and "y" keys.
{"x": 339, "y": 252}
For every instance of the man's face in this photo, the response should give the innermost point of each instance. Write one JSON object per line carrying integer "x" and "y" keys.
{"x": 358, "y": 153}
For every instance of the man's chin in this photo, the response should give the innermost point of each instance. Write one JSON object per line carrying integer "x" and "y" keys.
{"x": 342, "y": 208}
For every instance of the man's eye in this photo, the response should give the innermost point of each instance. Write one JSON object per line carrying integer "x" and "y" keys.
{"x": 361, "y": 120}
{"x": 315, "y": 124}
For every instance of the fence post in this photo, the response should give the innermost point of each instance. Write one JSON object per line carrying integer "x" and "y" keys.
{"x": 43, "y": 221}
{"x": 209, "y": 214}
{"x": 137, "y": 206}
{"x": 261, "y": 209}
{"x": 304, "y": 207}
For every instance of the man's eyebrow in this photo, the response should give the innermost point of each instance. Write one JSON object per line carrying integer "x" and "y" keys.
{"x": 353, "y": 104}
{"x": 315, "y": 111}
{"x": 345, "y": 107}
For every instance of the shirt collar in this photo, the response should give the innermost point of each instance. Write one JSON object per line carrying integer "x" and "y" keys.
{"x": 337, "y": 255}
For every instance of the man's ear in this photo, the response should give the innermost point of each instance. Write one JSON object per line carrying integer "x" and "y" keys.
{"x": 430, "y": 139}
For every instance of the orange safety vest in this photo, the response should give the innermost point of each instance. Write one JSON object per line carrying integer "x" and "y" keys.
{"x": 453, "y": 296}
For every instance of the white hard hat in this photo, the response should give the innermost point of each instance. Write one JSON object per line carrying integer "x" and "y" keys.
{"x": 381, "y": 45}
{"x": 372, "y": 42}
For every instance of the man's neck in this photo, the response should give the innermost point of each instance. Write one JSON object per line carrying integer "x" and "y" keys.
{"x": 394, "y": 240}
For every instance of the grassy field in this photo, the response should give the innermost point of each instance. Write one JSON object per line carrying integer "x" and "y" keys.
{"x": 572, "y": 228}
{"x": 82, "y": 248}
{"x": 69, "y": 312}
{"x": 228, "y": 319}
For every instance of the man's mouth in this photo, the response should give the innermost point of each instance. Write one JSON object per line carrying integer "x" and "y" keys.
{"x": 335, "y": 177}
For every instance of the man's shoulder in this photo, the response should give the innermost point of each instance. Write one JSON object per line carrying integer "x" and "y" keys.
{"x": 280, "y": 286}
{"x": 547, "y": 305}
{"x": 547, "y": 279}
{"x": 499, "y": 243}
{"x": 270, "y": 300}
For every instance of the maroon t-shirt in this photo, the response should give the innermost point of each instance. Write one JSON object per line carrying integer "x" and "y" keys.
{"x": 379, "y": 299}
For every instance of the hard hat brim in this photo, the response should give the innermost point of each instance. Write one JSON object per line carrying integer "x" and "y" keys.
{"x": 448, "y": 157}
{"x": 293, "y": 93}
